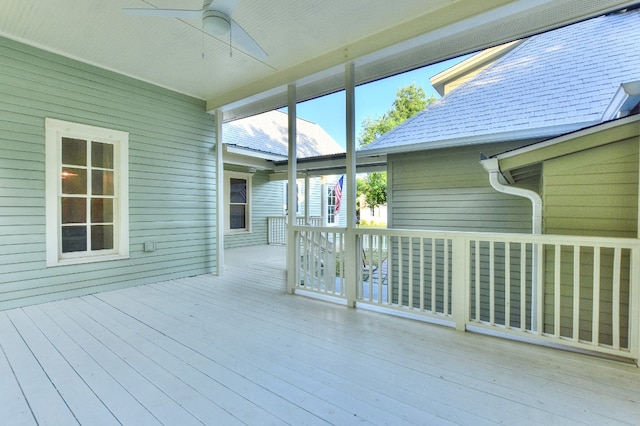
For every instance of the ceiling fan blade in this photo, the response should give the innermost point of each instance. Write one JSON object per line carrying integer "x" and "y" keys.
{"x": 225, "y": 6}
{"x": 241, "y": 38}
{"x": 166, "y": 13}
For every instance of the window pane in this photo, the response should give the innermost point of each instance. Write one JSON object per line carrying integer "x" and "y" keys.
{"x": 102, "y": 155}
{"x": 238, "y": 191}
{"x": 102, "y": 237}
{"x": 74, "y": 152}
{"x": 74, "y": 181}
{"x": 101, "y": 210}
{"x": 74, "y": 210}
{"x": 237, "y": 219}
{"x": 101, "y": 182}
{"x": 74, "y": 238}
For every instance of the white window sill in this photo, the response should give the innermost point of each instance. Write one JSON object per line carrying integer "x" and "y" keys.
{"x": 84, "y": 260}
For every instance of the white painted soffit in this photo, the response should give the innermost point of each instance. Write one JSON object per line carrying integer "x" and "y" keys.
{"x": 428, "y": 39}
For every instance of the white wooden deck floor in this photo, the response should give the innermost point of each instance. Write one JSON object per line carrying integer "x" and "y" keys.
{"x": 238, "y": 350}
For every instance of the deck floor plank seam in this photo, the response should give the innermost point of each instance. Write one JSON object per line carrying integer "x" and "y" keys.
{"x": 371, "y": 373}
{"x": 508, "y": 393}
{"x": 235, "y": 361}
{"x": 237, "y": 349}
{"x": 564, "y": 391}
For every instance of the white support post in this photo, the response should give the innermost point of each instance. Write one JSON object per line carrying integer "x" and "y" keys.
{"x": 292, "y": 262}
{"x": 460, "y": 282}
{"x": 634, "y": 305}
{"x": 351, "y": 243}
{"x": 219, "y": 118}
{"x": 307, "y": 192}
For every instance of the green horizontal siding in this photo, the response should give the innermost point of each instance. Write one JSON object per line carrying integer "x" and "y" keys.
{"x": 171, "y": 167}
{"x": 592, "y": 192}
{"x": 448, "y": 189}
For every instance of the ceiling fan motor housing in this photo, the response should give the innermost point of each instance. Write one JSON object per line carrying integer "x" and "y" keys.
{"x": 216, "y": 23}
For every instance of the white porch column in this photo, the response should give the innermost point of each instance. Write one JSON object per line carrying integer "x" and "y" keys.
{"x": 351, "y": 243}
{"x": 219, "y": 118}
{"x": 291, "y": 196}
{"x": 307, "y": 207}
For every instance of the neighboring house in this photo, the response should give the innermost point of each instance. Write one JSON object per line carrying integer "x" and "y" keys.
{"x": 254, "y": 192}
{"x": 542, "y": 87}
{"x": 562, "y": 106}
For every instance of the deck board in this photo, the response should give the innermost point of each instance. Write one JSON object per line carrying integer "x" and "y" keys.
{"x": 238, "y": 350}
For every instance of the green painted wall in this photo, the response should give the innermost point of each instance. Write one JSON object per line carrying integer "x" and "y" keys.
{"x": 592, "y": 192}
{"x": 448, "y": 189}
{"x": 171, "y": 168}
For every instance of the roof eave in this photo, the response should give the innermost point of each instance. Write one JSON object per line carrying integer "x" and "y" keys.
{"x": 517, "y": 135}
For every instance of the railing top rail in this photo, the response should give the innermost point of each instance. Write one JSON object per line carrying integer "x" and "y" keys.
{"x": 319, "y": 228}
{"x": 568, "y": 240}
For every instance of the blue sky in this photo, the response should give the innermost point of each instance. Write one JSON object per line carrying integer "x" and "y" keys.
{"x": 372, "y": 100}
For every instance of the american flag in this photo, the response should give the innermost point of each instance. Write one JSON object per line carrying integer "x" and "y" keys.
{"x": 338, "y": 191}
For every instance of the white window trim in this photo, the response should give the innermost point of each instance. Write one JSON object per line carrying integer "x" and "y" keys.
{"x": 227, "y": 197}
{"x": 54, "y": 131}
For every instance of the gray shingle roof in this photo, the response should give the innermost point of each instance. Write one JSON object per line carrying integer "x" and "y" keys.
{"x": 268, "y": 133}
{"x": 552, "y": 83}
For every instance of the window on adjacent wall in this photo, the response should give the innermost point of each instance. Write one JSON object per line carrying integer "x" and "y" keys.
{"x": 331, "y": 205}
{"x": 238, "y": 206}
{"x": 86, "y": 193}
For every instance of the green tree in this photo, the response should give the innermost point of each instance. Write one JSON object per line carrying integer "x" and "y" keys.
{"x": 409, "y": 101}
{"x": 374, "y": 188}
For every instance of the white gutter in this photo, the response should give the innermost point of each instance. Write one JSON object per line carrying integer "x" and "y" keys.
{"x": 492, "y": 166}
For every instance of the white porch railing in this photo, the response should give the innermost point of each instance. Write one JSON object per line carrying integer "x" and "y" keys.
{"x": 277, "y": 227}
{"x": 582, "y": 292}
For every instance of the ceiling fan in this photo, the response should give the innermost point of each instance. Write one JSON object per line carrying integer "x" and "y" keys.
{"x": 216, "y": 20}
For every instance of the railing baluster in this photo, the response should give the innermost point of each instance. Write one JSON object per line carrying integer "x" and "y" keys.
{"x": 446, "y": 284}
{"x": 595, "y": 330}
{"x": 434, "y": 265}
{"x": 380, "y": 239}
{"x": 390, "y": 266}
{"x": 576, "y": 293}
{"x": 492, "y": 284}
{"x": 400, "y": 271}
{"x": 556, "y": 290}
{"x": 615, "y": 311}
{"x": 523, "y": 286}
{"x": 507, "y": 284}
{"x": 410, "y": 270}
{"x": 477, "y": 281}
{"x": 421, "y": 274}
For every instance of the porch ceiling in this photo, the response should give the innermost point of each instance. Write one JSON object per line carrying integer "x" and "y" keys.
{"x": 307, "y": 41}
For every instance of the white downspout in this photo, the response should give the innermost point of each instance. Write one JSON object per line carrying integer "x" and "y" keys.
{"x": 492, "y": 166}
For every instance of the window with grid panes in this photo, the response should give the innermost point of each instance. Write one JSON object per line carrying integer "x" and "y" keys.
{"x": 86, "y": 193}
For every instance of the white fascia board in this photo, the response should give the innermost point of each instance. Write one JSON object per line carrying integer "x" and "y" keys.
{"x": 439, "y": 80}
{"x": 568, "y": 137}
{"x": 320, "y": 166}
{"x": 243, "y": 160}
{"x": 253, "y": 153}
{"x": 538, "y": 133}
